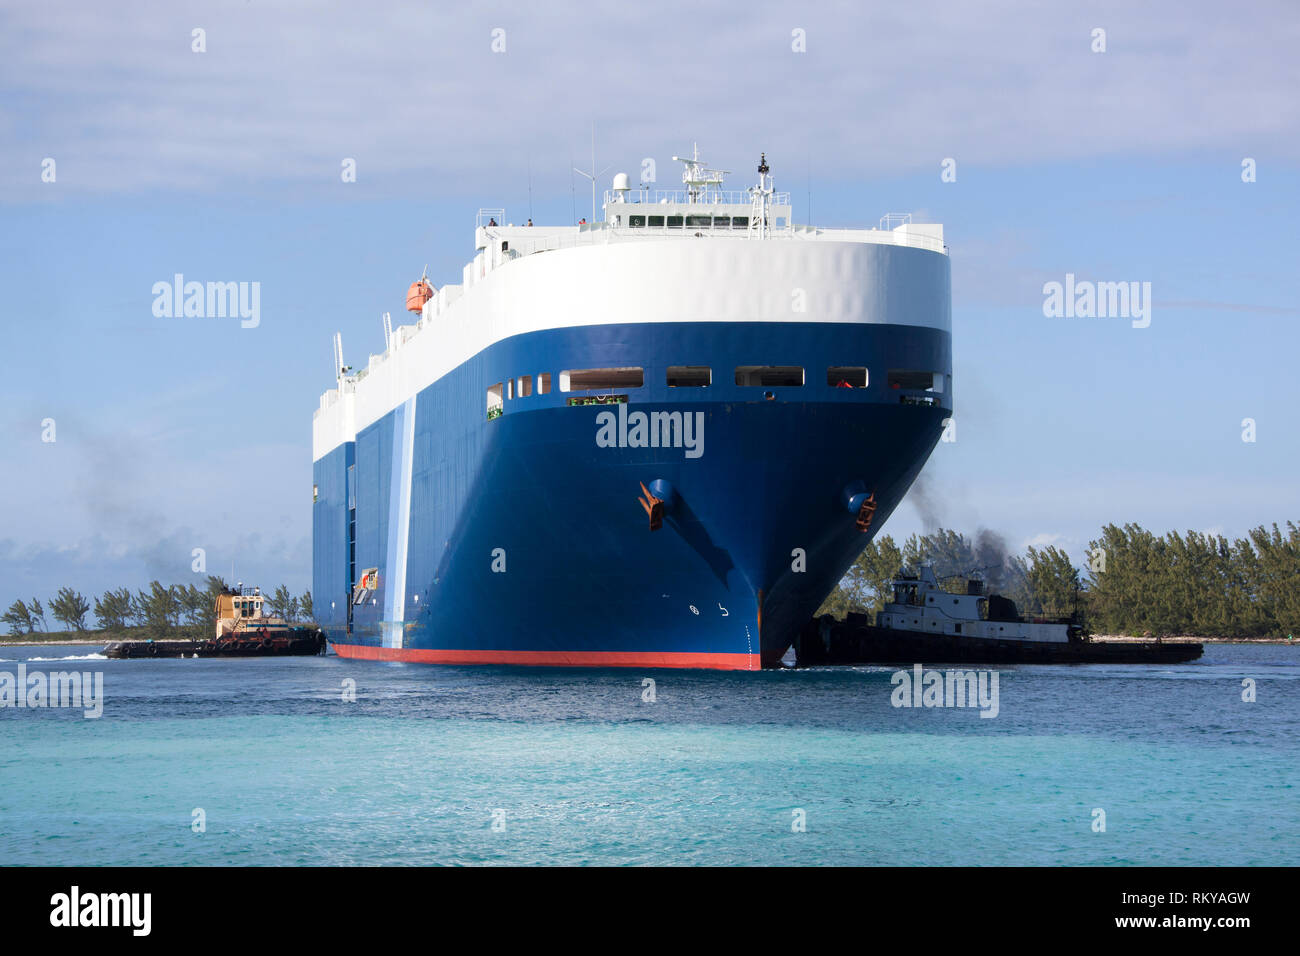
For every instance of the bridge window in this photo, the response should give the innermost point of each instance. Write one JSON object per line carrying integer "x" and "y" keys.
{"x": 689, "y": 376}
{"x": 589, "y": 379}
{"x": 675, "y": 222}
{"x": 920, "y": 381}
{"x": 510, "y": 388}
{"x": 739, "y": 222}
{"x": 721, "y": 222}
{"x": 694, "y": 222}
{"x": 494, "y": 403}
{"x": 636, "y": 222}
{"x": 851, "y": 376}
{"x": 769, "y": 375}
{"x": 525, "y": 386}
{"x": 656, "y": 221}
{"x": 543, "y": 383}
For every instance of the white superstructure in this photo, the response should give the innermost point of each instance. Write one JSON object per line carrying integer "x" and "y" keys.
{"x": 920, "y": 605}
{"x": 700, "y": 254}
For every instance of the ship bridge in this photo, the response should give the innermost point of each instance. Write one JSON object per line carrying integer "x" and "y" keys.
{"x": 701, "y": 209}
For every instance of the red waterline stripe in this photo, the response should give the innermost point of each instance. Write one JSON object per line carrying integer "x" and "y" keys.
{"x": 730, "y": 662}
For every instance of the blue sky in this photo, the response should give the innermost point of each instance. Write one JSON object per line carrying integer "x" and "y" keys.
{"x": 175, "y": 433}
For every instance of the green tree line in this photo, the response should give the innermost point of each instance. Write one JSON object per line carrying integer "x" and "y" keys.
{"x": 1134, "y": 581}
{"x": 157, "y": 609}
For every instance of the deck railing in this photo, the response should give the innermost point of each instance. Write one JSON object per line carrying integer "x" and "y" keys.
{"x": 602, "y": 233}
{"x": 645, "y": 196}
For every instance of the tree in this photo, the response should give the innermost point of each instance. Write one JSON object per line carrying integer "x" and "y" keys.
{"x": 194, "y": 601}
{"x": 113, "y": 609}
{"x": 1244, "y": 609}
{"x": 1278, "y": 574}
{"x": 158, "y": 608}
{"x": 1053, "y": 581}
{"x": 955, "y": 559}
{"x": 278, "y": 603}
{"x": 70, "y": 609}
{"x": 1120, "y": 579}
{"x": 308, "y": 612}
{"x": 866, "y": 584}
{"x": 19, "y": 618}
{"x": 38, "y": 613}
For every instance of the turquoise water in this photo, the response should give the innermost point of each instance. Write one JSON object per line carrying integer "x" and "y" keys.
{"x": 287, "y": 772}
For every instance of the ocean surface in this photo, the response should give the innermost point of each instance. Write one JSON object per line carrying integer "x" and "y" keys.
{"x": 497, "y": 765}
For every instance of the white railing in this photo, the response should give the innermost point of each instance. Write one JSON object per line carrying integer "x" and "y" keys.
{"x": 644, "y": 196}
{"x": 883, "y": 237}
{"x": 494, "y": 217}
{"x": 602, "y": 233}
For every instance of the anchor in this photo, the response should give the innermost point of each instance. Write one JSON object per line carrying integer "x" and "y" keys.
{"x": 654, "y": 508}
{"x": 866, "y": 513}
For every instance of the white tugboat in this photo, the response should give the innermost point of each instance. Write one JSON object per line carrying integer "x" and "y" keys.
{"x": 926, "y": 624}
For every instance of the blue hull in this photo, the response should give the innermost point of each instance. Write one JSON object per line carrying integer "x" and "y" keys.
{"x": 526, "y": 542}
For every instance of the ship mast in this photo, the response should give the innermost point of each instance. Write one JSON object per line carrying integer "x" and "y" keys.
{"x": 593, "y": 176}
{"x": 762, "y": 194}
{"x": 340, "y": 371}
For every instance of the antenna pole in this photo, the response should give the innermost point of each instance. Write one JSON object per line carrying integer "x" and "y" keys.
{"x": 593, "y": 175}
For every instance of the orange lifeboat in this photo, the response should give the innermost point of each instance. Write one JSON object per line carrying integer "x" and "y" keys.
{"x": 419, "y": 293}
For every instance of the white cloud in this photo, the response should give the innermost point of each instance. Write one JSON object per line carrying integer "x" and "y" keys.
{"x": 414, "y": 94}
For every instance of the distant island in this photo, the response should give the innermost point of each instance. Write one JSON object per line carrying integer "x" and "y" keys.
{"x": 1136, "y": 583}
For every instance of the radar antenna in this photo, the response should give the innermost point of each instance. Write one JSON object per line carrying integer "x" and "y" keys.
{"x": 698, "y": 177}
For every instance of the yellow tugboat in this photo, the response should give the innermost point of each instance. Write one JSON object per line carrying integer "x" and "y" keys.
{"x": 242, "y": 630}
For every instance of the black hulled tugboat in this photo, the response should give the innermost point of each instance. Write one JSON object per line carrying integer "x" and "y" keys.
{"x": 925, "y": 624}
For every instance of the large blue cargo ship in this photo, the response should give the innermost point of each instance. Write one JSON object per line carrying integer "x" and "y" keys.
{"x": 658, "y": 440}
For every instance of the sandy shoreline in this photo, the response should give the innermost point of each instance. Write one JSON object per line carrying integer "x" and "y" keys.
{"x": 1184, "y": 639}
{"x": 72, "y": 643}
